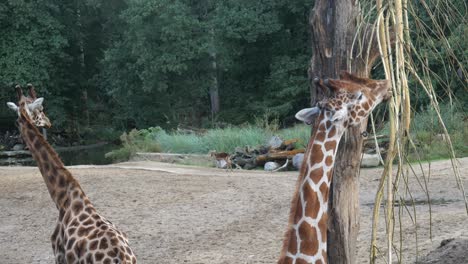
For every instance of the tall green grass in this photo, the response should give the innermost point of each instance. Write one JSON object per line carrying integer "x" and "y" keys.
{"x": 428, "y": 136}
{"x": 221, "y": 140}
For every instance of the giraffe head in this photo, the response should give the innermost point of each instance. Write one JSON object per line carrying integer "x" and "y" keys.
{"x": 30, "y": 106}
{"x": 352, "y": 101}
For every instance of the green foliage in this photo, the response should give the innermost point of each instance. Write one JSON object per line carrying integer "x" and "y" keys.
{"x": 125, "y": 64}
{"x": 429, "y": 136}
{"x": 134, "y": 141}
{"x": 221, "y": 140}
{"x": 301, "y": 131}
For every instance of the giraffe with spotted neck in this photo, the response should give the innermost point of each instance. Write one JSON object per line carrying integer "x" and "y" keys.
{"x": 353, "y": 99}
{"x": 81, "y": 235}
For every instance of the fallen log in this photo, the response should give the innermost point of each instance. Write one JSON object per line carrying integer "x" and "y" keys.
{"x": 282, "y": 155}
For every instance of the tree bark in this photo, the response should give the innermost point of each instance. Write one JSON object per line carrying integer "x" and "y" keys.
{"x": 333, "y": 28}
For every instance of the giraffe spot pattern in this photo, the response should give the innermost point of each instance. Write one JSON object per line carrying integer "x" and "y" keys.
{"x": 316, "y": 175}
{"x": 309, "y": 241}
{"x": 317, "y": 155}
{"x": 313, "y": 204}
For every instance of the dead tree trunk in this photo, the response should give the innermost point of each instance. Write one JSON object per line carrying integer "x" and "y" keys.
{"x": 333, "y": 28}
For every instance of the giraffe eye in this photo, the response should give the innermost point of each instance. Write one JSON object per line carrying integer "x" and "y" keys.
{"x": 360, "y": 96}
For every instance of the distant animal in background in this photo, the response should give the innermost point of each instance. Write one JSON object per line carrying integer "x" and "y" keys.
{"x": 223, "y": 159}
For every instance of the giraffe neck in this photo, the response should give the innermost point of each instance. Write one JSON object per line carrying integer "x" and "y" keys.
{"x": 58, "y": 179}
{"x": 306, "y": 237}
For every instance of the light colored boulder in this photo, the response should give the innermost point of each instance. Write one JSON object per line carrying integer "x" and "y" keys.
{"x": 18, "y": 147}
{"x": 275, "y": 142}
{"x": 297, "y": 160}
{"x": 222, "y": 164}
{"x": 271, "y": 166}
{"x": 370, "y": 160}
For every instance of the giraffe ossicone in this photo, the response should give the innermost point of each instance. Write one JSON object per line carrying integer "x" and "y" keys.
{"x": 81, "y": 235}
{"x": 352, "y": 100}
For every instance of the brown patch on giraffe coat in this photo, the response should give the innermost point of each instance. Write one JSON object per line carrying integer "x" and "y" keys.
{"x": 70, "y": 257}
{"x": 309, "y": 244}
{"x": 98, "y": 256}
{"x": 129, "y": 251}
{"x": 88, "y": 222}
{"x": 328, "y": 124}
{"x": 366, "y": 106}
{"x": 62, "y": 182}
{"x": 329, "y": 145}
{"x": 84, "y": 231}
{"x": 66, "y": 219}
{"x": 77, "y": 207}
{"x": 321, "y": 127}
{"x": 324, "y": 190}
{"x": 320, "y": 136}
{"x": 114, "y": 241}
{"x": 107, "y": 261}
{"x": 319, "y": 261}
{"x": 322, "y": 225}
{"x": 313, "y": 204}
{"x": 301, "y": 261}
{"x": 70, "y": 243}
{"x": 362, "y": 113}
{"x": 317, "y": 155}
{"x": 332, "y": 132}
{"x": 113, "y": 253}
{"x": 89, "y": 258}
{"x": 293, "y": 242}
{"x": 329, "y": 161}
{"x": 103, "y": 244}
{"x": 60, "y": 196}
{"x": 80, "y": 247}
{"x": 71, "y": 231}
{"x": 316, "y": 175}
{"x": 89, "y": 209}
{"x": 299, "y": 211}
{"x": 353, "y": 114}
{"x": 93, "y": 245}
{"x": 83, "y": 217}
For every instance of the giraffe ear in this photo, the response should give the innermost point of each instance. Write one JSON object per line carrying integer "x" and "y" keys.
{"x": 340, "y": 114}
{"x": 12, "y": 106}
{"x": 36, "y": 104}
{"x": 307, "y": 114}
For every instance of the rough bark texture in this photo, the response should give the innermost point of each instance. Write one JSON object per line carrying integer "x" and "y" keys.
{"x": 333, "y": 27}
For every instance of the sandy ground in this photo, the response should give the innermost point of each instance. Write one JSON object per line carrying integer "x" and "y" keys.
{"x": 180, "y": 214}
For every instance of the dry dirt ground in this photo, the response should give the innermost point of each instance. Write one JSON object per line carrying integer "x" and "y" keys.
{"x": 181, "y": 214}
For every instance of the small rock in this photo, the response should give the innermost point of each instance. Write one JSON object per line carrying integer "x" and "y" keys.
{"x": 297, "y": 160}
{"x": 222, "y": 164}
{"x": 275, "y": 142}
{"x": 370, "y": 160}
{"x": 271, "y": 166}
{"x": 18, "y": 147}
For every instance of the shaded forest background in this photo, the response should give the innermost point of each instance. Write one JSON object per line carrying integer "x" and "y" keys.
{"x": 123, "y": 64}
